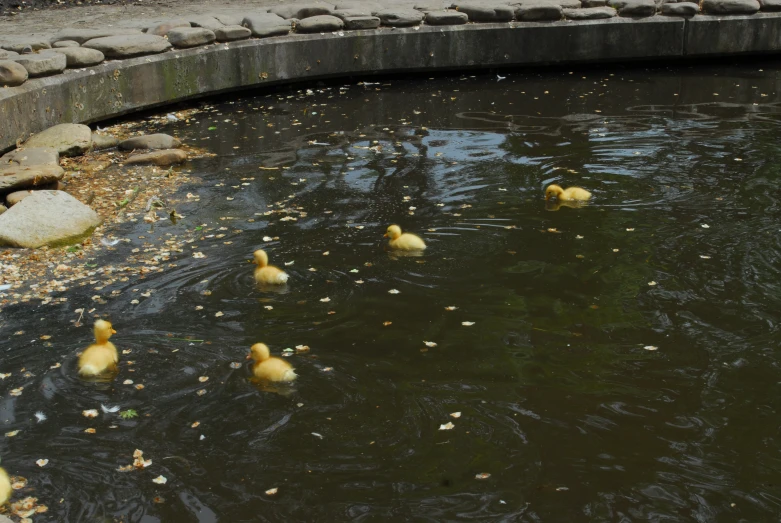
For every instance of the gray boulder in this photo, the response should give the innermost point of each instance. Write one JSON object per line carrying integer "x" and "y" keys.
{"x": 150, "y": 142}
{"x": 594, "y": 3}
{"x": 46, "y": 218}
{"x": 686, "y": 9}
{"x": 540, "y": 11}
{"x": 184, "y": 37}
{"x": 15, "y": 197}
{"x": 730, "y": 7}
{"x": 31, "y": 156}
{"x": 230, "y": 33}
{"x": 486, "y": 12}
{"x": 770, "y": 5}
{"x": 8, "y": 55}
{"x": 266, "y": 24}
{"x": 636, "y": 8}
{"x": 68, "y": 139}
{"x": 15, "y": 177}
{"x": 589, "y": 13}
{"x": 129, "y": 45}
{"x": 319, "y": 23}
{"x": 83, "y": 35}
{"x": 12, "y": 73}
{"x": 428, "y": 6}
{"x": 400, "y": 17}
{"x": 42, "y": 64}
{"x": 19, "y": 45}
{"x": 162, "y": 28}
{"x": 445, "y": 17}
{"x": 205, "y": 21}
{"x": 302, "y": 10}
{"x": 229, "y": 19}
{"x": 65, "y": 43}
{"x": 80, "y": 56}
{"x": 3, "y": 208}
{"x": 103, "y": 141}
{"x": 361, "y": 22}
{"x": 162, "y": 158}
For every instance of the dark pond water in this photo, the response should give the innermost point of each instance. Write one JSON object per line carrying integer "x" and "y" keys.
{"x": 562, "y": 399}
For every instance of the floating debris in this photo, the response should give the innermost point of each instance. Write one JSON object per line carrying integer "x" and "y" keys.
{"x": 447, "y": 426}
{"x": 42, "y": 462}
{"x": 455, "y": 415}
{"x": 91, "y": 413}
{"x": 160, "y": 480}
{"x": 40, "y": 417}
{"x": 482, "y": 475}
{"x": 467, "y": 323}
{"x": 272, "y": 491}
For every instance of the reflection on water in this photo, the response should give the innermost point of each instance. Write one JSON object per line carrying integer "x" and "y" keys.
{"x": 544, "y": 322}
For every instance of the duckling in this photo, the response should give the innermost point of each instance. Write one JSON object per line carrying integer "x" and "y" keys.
{"x": 102, "y": 356}
{"x": 5, "y": 487}
{"x": 266, "y": 273}
{"x": 403, "y": 242}
{"x": 268, "y": 368}
{"x": 565, "y": 195}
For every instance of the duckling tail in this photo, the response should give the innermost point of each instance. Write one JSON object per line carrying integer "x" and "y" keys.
{"x": 282, "y": 278}
{"x": 289, "y": 375}
{"x": 89, "y": 370}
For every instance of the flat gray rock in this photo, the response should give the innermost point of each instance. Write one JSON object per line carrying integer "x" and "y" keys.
{"x": 129, "y": 45}
{"x": 369, "y": 6}
{"x": 15, "y": 197}
{"x": 319, "y": 23}
{"x": 68, "y": 139}
{"x": 266, "y": 24}
{"x": 229, "y": 18}
{"x": 637, "y": 8}
{"x": 207, "y": 22}
{"x": 446, "y": 17}
{"x": 183, "y": 37}
{"x": 230, "y": 33}
{"x": 15, "y": 177}
{"x": 83, "y": 35}
{"x": 538, "y": 12}
{"x": 681, "y": 9}
{"x": 589, "y": 13}
{"x": 31, "y": 156}
{"x": 149, "y": 141}
{"x": 594, "y": 3}
{"x": 565, "y": 4}
{"x": 162, "y": 158}
{"x": 103, "y": 141}
{"x": 65, "y": 43}
{"x": 42, "y": 64}
{"x": 361, "y": 22}
{"x": 428, "y": 6}
{"x": 46, "y": 218}
{"x": 486, "y": 12}
{"x": 80, "y": 56}
{"x": 8, "y": 55}
{"x": 302, "y": 10}
{"x": 400, "y": 17}
{"x": 730, "y": 7}
{"x": 770, "y": 5}
{"x": 19, "y": 45}
{"x": 12, "y": 73}
{"x": 162, "y": 28}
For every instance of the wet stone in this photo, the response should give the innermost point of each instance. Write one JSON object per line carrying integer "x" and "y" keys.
{"x": 538, "y": 12}
{"x": 84, "y": 35}
{"x": 361, "y": 22}
{"x": 485, "y": 12}
{"x": 161, "y": 158}
{"x": 150, "y": 142}
{"x": 103, "y": 141}
{"x": 229, "y": 19}
{"x": 594, "y": 3}
{"x": 319, "y": 23}
{"x": 15, "y": 177}
{"x": 428, "y": 6}
{"x": 8, "y": 55}
{"x": 31, "y": 156}
{"x": 18, "y": 46}
{"x": 400, "y": 17}
{"x": 15, "y": 197}
{"x": 65, "y": 43}
{"x": 129, "y": 45}
{"x": 68, "y": 139}
{"x": 266, "y": 24}
{"x": 3, "y": 208}
{"x": 207, "y": 22}
{"x": 446, "y": 17}
{"x": 42, "y": 64}
{"x": 637, "y": 8}
{"x": 229, "y": 33}
{"x": 770, "y": 5}
{"x": 681, "y": 9}
{"x": 80, "y": 56}
{"x": 184, "y": 37}
{"x": 302, "y": 10}
{"x": 162, "y": 28}
{"x": 730, "y": 7}
{"x": 12, "y": 73}
{"x": 46, "y": 218}
{"x": 590, "y": 13}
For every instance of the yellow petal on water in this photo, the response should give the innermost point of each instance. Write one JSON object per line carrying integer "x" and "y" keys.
{"x": 651, "y": 348}
{"x": 160, "y": 480}
{"x": 201, "y": 392}
{"x": 447, "y": 426}
{"x": 199, "y": 307}
{"x": 393, "y": 291}
{"x": 4, "y": 376}
{"x": 139, "y": 387}
{"x": 46, "y": 337}
{"x": 218, "y": 314}
{"x": 704, "y": 257}
{"x": 615, "y": 250}
{"x": 127, "y": 351}
{"x": 272, "y": 491}
{"x": 630, "y": 229}
{"x": 17, "y": 392}
{"x": 18, "y": 482}
{"x": 56, "y": 365}
{"x": 203, "y": 379}
{"x": 482, "y": 475}
{"x": 705, "y": 226}
{"x": 430, "y": 343}
{"x": 325, "y": 300}
{"x": 199, "y": 255}
{"x": 268, "y": 307}
{"x": 327, "y": 369}
{"x": 91, "y": 413}
{"x": 579, "y": 237}
{"x": 90, "y": 431}
{"x": 11, "y": 434}
{"x": 235, "y": 365}
{"x": 451, "y": 308}
{"x": 127, "y": 382}
{"x": 42, "y": 462}
{"x": 194, "y": 425}
{"x": 455, "y": 415}
{"x": 467, "y": 323}
{"x": 302, "y": 348}
{"x": 651, "y": 283}
{"x": 326, "y": 253}
{"x": 386, "y": 323}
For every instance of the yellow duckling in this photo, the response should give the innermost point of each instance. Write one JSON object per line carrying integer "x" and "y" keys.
{"x": 268, "y": 368}
{"x": 5, "y": 487}
{"x": 102, "y": 356}
{"x": 266, "y": 273}
{"x": 403, "y": 242}
{"x": 567, "y": 195}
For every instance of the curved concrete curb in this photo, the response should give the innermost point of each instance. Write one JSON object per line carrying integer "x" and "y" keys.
{"x": 115, "y": 88}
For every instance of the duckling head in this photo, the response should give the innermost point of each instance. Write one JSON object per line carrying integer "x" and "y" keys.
{"x": 261, "y": 258}
{"x": 394, "y": 231}
{"x": 553, "y": 191}
{"x": 103, "y": 331}
{"x": 258, "y": 352}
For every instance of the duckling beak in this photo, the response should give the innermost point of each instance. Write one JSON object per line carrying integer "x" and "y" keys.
{"x": 547, "y": 197}
{"x": 249, "y": 357}
{"x": 113, "y": 331}
{"x": 385, "y": 235}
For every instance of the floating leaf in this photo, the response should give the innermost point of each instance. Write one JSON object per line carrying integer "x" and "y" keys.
{"x": 451, "y": 308}
{"x": 272, "y": 491}
{"x": 128, "y": 414}
{"x": 651, "y": 283}
{"x": 219, "y": 314}
{"x": 90, "y": 431}
{"x": 160, "y": 480}
{"x": 393, "y": 291}
{"x": 429, "y": 344}
{"x": 235, "y": 365}
{"x": 11, "y": 434}
{"x": 42, "y": 462}
{"x": 467, "y": 323}
{"x": 325, "y": 300}
{"x": 203, "y": 379}
{"x": 447, "y": 426}
{"x": 482, "y": 475}
{"x": 651, "y": 347}
{"x": 455, "y": 415}
{"x": 91, "y": 413}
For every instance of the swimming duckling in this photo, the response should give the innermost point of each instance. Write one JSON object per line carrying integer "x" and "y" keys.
{"x": 5, "y": 487}
{"x": 102, "y": 356}
{"x": 565, "y": 195}
{"x": 403, "y": 242}
{"x": 268, "y": 368}
{"x": 266, "y": 273}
